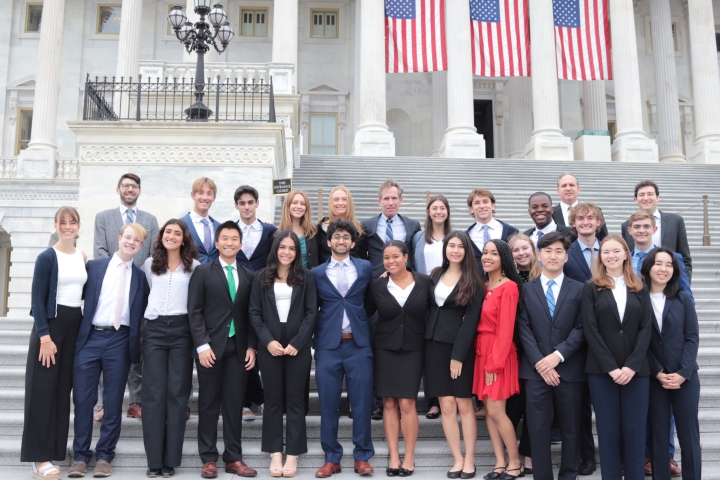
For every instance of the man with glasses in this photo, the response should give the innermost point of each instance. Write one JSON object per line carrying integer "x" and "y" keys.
{"x": 108, "y": 224}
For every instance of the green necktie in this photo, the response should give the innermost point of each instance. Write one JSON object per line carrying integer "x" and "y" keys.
{"x": 231, "y": 286}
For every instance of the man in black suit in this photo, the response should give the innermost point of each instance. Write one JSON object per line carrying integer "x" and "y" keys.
{"x": 481, "y": 203}
{"x": 540, "y": 209}
{"x": 671, "y": 232}
{"x": 225, "y": 346}
{"x": 553, "y": 360}
{"x": 568, "y": 187}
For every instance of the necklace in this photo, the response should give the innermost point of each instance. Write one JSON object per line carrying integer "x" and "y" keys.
{"x": 496, "y": 284}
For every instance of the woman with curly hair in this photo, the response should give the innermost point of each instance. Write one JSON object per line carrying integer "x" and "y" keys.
{"x": 167, "y": 347}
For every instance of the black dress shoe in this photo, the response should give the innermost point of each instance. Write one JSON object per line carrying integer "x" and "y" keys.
{"x": 432, "y": 415}
{"x": 528, "y": 471}
{"x": 509, "y": 476}
{"x": 452, "y": 474}
{"x": 167, "y": 472}
{"x": 349, "y": 413}
{"x": 468, "y": 474}
{"x": 377, "y": 414}
{"x": 153, "y": 472}
{"x": 494, "y": 475}
{"x": 587, "y": 467}
{"x": 392, "y": 472}
{"x": 404, "y": 472}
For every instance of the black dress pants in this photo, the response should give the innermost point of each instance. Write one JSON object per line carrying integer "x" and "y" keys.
{"x": 166, "y": 387}
{"x": 515, "y": 410}
{"x": 286, "y": 380}
{"x": 222, "y": 384}
{"x": 47, "y": 390}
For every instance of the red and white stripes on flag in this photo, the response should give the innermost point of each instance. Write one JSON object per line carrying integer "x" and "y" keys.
{"x": 500, "y": 31}
{"x": 582, "y": 39}
{"x": 414, "y": 36}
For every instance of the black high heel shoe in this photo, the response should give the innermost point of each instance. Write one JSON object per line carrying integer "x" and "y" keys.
{"x": 507, "y": 476}
{"x": 495, "y": 475}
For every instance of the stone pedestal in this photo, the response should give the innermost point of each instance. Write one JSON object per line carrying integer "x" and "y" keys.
{"x": 592, "y": 148}
{"x": 37, "y": 163}
{"x": 549, "y": 147}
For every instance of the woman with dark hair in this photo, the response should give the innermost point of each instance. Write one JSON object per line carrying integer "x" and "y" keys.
{"x": 456, "y": 300}
{"x": 283, "y": 306}
{"x": 617, "y": 317}
{"x": 674, "y": 382}
{"x": 167, "y": 347}
{"x": 402, "y": 300}
{"x": 496, "y": 363}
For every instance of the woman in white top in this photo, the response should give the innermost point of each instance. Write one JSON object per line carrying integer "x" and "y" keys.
{"x": 283, "y": 306}
{"x": 57, "y": 289}
{"x": 167, "y": 347}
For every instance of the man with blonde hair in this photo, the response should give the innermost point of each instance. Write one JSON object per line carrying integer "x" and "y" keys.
{"x": 481, "y": 203}
{"x": 202, "y": 225}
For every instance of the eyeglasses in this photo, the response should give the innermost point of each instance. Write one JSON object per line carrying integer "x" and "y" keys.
{"x": 128, "y": 186}
{"x": 347, "y": 238}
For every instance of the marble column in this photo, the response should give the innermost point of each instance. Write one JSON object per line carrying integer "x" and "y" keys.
{"x": 129, "y": 39}
{"x": 666, "y": 89}
{"x": 631, "y": 143}
{"x": 372, "y": 137}
{"x": 38, "y": 160}
{"x": 285, "y": 34}
{"x": 706, "y": 82}
{"x": 547, "y": 141}
{"x": 439, "y": 110}
{"x": 461, "y": 138}
{"x": 521, "y": 116}
{"x": 593, "y": 147}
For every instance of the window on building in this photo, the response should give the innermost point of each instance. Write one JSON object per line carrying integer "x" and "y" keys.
{"x": 33, "y": 17}
{"x": 324, "y": 23}
{"x": 254, "y": 22}
{"x": 24, "y": 127}
{"x": 612, "y": 128}
{"x": 108, "y": 19}
{"x": 170, "y": 30}
{"x": 323, "y": 137}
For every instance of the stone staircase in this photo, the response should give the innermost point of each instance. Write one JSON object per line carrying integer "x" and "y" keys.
{"x": 511, "y": 181}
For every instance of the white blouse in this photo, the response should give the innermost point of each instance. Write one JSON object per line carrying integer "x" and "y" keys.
{"x": 620, "y": 293}
{"x": 401, "y": 295}
{"x": 71, "y": 278}
{"x": 442, "y": 292}
{"x": 168, "y": 292}
{"x": 433, "y": 255}
{"x": 658, "y": 304}
{"x": 283, "y": 297}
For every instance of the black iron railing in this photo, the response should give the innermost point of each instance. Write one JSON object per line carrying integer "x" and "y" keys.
{"x": 235, "y": 100}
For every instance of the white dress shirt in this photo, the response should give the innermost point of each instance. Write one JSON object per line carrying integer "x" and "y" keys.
{"x": 556, "y": 293}
{"x": 251, "y": 235}
{"x": 351, "y": 274}
{"x": 283, "y": 297}
{"x": 200, "y": 228}
{"x": 551, "y": 227}
{"x": 620, "y": 294}
{"x": 565, "y": 208}
{"x": 657, "y": 236}
{"x": 400, "y": 294}
{"x": 433, "y": 253}
{"x": 168, "y": 292}
{"x": 658, "y": 304}
{"x": 107, "y": 303}
{"x": 477, "y": 234}
{"x": 442, "y": 292}
{"x": 123, "y": 213}
{"x": 204, "y": 347}
{"x": 398, "y": 228}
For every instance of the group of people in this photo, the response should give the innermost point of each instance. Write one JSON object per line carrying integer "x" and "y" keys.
{"x": 541, "y": 326}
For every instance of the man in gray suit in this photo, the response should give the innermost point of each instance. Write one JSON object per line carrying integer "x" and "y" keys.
{"x": 671, "y": 232}
{"x": 107, "y": 229}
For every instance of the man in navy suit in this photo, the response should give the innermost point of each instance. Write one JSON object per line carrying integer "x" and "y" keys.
{"x": 257, "y": 240}
{"x": 481, "y": 203}
{"x": 553, "y": 360}
{"x": 540, "y": 209}
{"x": 568, "y": 188}
{"x": 342, "y": 349}
{"x": 202, "y": 225}
{"x": 108, "y": 340}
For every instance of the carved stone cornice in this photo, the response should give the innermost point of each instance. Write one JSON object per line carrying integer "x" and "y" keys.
{"x": 181, "y": 154}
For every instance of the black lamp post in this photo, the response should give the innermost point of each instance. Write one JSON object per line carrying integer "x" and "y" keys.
{"x": 199, "y": 38}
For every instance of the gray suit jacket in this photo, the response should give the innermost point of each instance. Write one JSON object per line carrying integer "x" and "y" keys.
{"x": 107, "y": 230}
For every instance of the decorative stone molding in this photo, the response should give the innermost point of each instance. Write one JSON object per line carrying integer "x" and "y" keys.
{"x": 8, "y": 167}
{"x": 184, "y": 154}
{"x": 67, "y": 168}
{"x": 30, "y": 195}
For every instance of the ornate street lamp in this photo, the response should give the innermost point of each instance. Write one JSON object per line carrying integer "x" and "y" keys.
{"x": 199, "y": 38}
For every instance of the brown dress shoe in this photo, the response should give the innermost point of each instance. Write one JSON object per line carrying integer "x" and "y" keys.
{"x": 675, "y": 469}
{"x": 240, "y": 469}
{"x": 209, "y": 470}
{"x": 648, "y": 467}
{"x": 363, "y": 468}
{"x": 134, "y": 411}
{"x": 328, "y": 469}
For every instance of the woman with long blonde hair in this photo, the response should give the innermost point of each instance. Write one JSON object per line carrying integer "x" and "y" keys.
{"x": 296, "y": 216}
{"x": 340, "y": 205}
{"x": 525, "y": 255}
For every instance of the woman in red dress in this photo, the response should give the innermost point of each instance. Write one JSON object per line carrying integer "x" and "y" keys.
{"x": 496, "y": 363}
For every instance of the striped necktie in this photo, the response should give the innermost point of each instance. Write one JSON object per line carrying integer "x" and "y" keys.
{"x": 550, "y": 297}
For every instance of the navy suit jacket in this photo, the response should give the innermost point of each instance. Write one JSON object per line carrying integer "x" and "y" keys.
{"x": 560, "y": 220}
{"x": 507, "y": 232}
{"x": 683, "y": 280}
{"x": 375, "y": 242}
{"x": 259, "y": 257}
{"x": 203, "y": 254}
{"x": 541, "y": 334}
{"x": 139, "y": 291}
{"x": 328, "y": 327}
{"x": 576, "y": 267}
{"x": 675, "y": 348}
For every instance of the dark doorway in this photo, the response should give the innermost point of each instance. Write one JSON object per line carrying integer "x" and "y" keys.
{"x": 484, "y": 124}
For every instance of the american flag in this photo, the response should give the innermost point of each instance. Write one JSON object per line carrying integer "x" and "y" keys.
{"x": 582, "y": 39}
{"x": 500, "y": 32}
{"x": 414, "y": 36}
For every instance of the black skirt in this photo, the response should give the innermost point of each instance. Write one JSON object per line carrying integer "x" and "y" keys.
{"x": 397, "y": 373}
{"x": 437, "y": 370}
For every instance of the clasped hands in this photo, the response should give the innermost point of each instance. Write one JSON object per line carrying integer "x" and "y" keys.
{"x": 277, "y": 350}
{"x": 670, "y": 381}
{"x": 207, "y": 358}
{"x": 546, "y": 369}
{"x": 622, "y": 376}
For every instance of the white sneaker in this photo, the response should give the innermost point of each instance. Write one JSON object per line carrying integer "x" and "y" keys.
{"x": 248, "y": 414}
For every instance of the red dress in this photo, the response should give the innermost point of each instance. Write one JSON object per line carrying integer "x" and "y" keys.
{"x": 494, "y": 345}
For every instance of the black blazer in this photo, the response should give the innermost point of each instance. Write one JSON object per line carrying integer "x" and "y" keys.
{"x": 453, "y": 323}
{"x": 323, "y": 251}
{"x": 375, "y": 242}
{"x": 567, "y": 231}
{"x": 542, "y": 334}
{"x": 399, "y": 328}
{"x": 507, "y": 232}
{"x": 560, "y": 220}
{"x": 210, "y": 309}
{"x": 674, "y": 350}
{"x": 673, "y": 237}
{"x": 258, "y": 259}
{"x": 612, "y": 344}
{"x": 265, "y": 319}
{"x": 312, "y": 252}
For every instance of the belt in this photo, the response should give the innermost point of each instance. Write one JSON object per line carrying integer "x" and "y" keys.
{"x": 346, "y": 336}
{"x": 108, "y": 327}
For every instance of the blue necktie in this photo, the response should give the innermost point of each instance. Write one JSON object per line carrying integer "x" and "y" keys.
{"x": 486, "y": 234}
{"x": 130, "y": 216}
{"x": 550, "y": 297}
{"x": 641, "y": 258}
{"x": 540, "y": 234}
{"x": 388, "y": 230}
